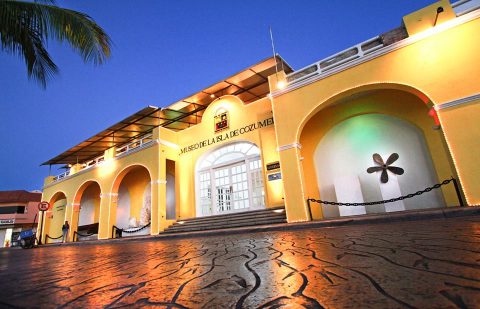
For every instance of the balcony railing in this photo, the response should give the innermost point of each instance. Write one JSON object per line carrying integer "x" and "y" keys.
{"x": 93, "y": 162}
{"x": 345, "y": 57}
{"x": 136, "y": 145}
{"x": 61, "y": 176}
{"x": 143, "y": 142}
{"x": 465, "y": 6}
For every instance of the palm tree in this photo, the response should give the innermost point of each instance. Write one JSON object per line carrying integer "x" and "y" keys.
{"x": 26, "y": 27}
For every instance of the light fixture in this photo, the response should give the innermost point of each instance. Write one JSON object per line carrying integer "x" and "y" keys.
{"x": 179, "y": 105}
{"x": 281, "y": 84}
{"x": 212, "y": 96}
{"x": 439, "y": 10}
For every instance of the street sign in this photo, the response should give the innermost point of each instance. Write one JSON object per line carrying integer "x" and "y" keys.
{"x": 43, "y": 206}
{"x": 273, "y": 166}
{"x": 7, "y": 221}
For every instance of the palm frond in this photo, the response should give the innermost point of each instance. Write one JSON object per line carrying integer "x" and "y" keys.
{"x": 25, "y": 27}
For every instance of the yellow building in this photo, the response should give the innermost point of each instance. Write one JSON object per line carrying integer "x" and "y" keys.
{"x": 270, "y": 137}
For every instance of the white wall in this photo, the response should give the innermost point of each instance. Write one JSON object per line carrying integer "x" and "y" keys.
{"x": 87, "y": 207}
{"x": 171, "y": 201}
{"x": 146, "y": 211}
{"x": 347, "y": 150}
{"x": 123, "y": 207}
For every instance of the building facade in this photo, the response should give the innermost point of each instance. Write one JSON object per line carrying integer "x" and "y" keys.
{"x": 270, "y": 136}
{"x": 18, "y": 212}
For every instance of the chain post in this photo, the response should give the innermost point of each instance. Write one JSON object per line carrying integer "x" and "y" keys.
{"x": 457, "y": 190}
{"x": 309, "y": 209}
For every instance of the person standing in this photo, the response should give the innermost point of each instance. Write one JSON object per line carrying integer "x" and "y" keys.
{"x": 65, "y": 229}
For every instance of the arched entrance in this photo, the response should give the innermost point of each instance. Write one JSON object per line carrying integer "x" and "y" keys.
{"x": 338, "y": 142}
{"x": 345, "y": 153}
{"x": 55, "y": 218}
{"x": 87, "y": 206}
{"x": 133, "y": 186}
{"x": 230, "y": 179}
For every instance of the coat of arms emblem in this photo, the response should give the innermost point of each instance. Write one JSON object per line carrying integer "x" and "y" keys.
{"x": 221, "y": 121}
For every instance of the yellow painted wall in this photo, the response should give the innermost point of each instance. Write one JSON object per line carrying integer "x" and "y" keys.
{"x": 439, "y": 68}
{"x": 113, "y": 171}
{"x": 241, "y": 115}
{"x": 423, "y": 19}
{"x": 395, "y": 103}
{"x": 57, "y": 219}
{"x": 108, "y": 175}
{"x": 462, "y": 128}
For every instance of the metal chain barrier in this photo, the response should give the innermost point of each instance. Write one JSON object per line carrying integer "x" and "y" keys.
{"x": 400, "y": 198}
{"x": 76, "y": 234}
{"x": 139, "y": 229}
{"x": 53, "y": 238}
{"x": 85, "y": 235}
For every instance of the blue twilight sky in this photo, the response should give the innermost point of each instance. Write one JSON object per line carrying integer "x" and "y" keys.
{"x": 164, "y": 51}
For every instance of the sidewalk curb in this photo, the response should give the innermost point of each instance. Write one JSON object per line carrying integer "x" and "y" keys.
{"x": 405, "y": 216}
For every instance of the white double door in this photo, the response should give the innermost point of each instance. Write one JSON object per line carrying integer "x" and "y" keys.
{"x": 232, "y": 188}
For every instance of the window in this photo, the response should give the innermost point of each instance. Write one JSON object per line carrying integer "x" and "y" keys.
{"x": 230, "y": 179}
{"x": 12, "y": 210}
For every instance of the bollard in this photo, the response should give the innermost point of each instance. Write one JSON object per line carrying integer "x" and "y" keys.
{"x": 309, "y": 209}
{"x": 457, "y": 190}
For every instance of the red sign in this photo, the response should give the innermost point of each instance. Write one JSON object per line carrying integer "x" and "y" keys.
{"x": 221, "y": 121}
{"x": 42, "y": 206}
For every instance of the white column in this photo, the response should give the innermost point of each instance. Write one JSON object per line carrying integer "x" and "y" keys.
{"x": 389, "y": 190}
{"x": 348, "y": 190}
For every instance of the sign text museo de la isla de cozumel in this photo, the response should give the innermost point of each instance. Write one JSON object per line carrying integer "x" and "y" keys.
{"x": 230, "y": 134}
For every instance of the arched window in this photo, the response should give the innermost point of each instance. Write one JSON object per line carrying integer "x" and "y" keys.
{"x": 230, "y": 180}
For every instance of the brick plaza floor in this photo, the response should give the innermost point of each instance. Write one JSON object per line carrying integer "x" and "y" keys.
{"x": 419, "y": 264}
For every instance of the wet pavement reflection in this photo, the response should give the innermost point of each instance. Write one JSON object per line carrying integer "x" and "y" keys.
{"x": 421, "y": 264}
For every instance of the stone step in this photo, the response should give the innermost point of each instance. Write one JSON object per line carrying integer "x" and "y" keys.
{"x": 231, "y": 225}
{"x": 238, "y": 218}
{"x": 235, "y": 215}
{"x": 225, "y": 221}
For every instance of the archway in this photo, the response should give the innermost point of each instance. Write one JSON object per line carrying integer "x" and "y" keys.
{"x": 345, "y": 153}
{"x": 230, "y": 179}
{"x": 375, "y": 121}
{"x": 87, "y": 211}
{"x": 133, "y": 211}
{"x": 55, "y": 218}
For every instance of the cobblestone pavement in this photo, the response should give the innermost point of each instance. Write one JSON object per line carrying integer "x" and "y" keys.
{"x": 423, "y": 264}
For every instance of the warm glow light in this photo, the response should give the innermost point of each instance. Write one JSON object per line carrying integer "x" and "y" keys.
{"x": 281, "y": 84}
{"x": 106, "y": 167}
{"x": 212, "y": 96}
{"x": 179, "y": 105}
{"x": 452, "y": 155}
{"x": 279, "y": 210}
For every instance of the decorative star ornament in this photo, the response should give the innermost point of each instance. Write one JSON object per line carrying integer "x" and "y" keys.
{"x": 384, "y": 166}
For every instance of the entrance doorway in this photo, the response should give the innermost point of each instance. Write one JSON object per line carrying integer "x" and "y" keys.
{"x": 230, "y": 180}
{"x": 171, "y": 213}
